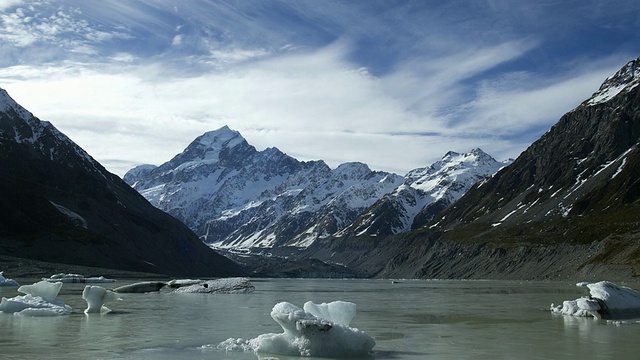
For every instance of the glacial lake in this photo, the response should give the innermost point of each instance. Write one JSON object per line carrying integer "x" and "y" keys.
{"x": 410, "y": 319}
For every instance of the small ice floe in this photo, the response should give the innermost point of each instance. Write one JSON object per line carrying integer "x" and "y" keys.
{"x": 39, "y": 300}
{"x": 607, "y": 300}
{"x": 96, "y": 297}
{"x": 316, "y": 330}
{"x": 7, "y": 282}
{"x": 219, "y": 286}
{"x": 141, "y": 287}
{"x": 77, "y": 278}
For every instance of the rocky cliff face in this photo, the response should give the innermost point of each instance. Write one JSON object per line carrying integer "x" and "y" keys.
{"x": 59, "y": 205}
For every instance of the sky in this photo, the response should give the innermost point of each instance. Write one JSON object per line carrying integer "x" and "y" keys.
{"x": 394, "y": 84}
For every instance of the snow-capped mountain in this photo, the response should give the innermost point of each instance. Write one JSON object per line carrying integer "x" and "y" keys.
{"x": 623, "y": 81}
{"x": 60, "y": 205}
{"x": 236, "y": 197}
{"x": 425, "y": 192}
{"x": 20, "y": 126}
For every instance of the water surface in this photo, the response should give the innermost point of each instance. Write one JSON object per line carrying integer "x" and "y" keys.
{"x": 410, "y": 319}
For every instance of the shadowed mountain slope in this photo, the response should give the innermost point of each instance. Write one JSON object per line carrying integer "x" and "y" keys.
{"x": 57, "y": 204}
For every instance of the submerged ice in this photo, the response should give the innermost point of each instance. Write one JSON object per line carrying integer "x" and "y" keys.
{"x": 606, "y": 300}
{"x": 318, "y": 330}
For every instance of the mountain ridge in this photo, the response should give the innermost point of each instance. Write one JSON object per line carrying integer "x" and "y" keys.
{"x": 266, "y": 199}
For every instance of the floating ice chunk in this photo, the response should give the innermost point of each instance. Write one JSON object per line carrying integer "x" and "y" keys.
{"x": 96, "y": 297}
{"x": 64, "y": 276}
{"x": 7, "y": 282}
{"x": 77, "y": 278}
{"x": 306, "y": 334}
{"x": 39, "y": 300}
{"x": 339, "y": 312}
{"x": 607, "y": 300}
{"x": 220, "y": 286}
{"x": 30, "y": 305}
{"x": 44, "y": 289}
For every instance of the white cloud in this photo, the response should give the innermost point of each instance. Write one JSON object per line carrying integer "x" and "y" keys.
{"x": 177, "y": 40}
{"x": 311, "y": 105}
{"x": 6, "y": 4}
{"x": 395, "y": 87}
{"x": 517, "y": 102}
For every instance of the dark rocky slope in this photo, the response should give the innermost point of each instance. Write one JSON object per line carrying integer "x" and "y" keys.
{"x": 61, "y": 206}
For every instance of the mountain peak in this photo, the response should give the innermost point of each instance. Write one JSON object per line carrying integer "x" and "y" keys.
{"x": 352, "y": 170}
{"x": 478, "y": 152}
{"x": 5, "y": 100}
{"x": 208, "y": 147}
{"x": 625, "y": 79}
{"x": 222, "y": 137}
{"x": 7, "y": 103}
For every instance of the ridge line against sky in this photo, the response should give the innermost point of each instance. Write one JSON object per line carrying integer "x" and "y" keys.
{"x": 394, "y": 84}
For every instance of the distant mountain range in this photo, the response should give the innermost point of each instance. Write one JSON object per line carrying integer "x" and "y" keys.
{"x": 59, "y": 205}
{"x": 243, "y": 200}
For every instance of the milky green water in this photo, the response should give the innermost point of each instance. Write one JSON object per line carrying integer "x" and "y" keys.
{"x": 409, "y": 319}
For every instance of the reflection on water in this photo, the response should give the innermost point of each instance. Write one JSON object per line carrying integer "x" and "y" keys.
{"x": 408, "y": 319}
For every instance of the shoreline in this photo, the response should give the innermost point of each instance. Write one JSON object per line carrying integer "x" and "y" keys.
{"x": 14, "y": 267}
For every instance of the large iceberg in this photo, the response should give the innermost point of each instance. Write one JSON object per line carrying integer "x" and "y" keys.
{"x": 96, "y": 297}
{"x": 7, "y": 282}
{"x": 39, "y": 300}
{"x": 606, "y": 300}
{"x": 316, "y": 330}
{"x": 236, "y": 285}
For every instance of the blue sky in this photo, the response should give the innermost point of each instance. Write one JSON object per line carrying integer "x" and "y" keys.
{"x": 394, "y": 84}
